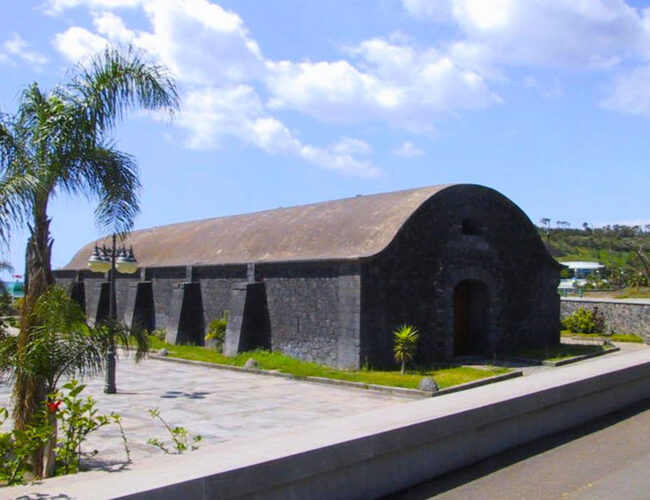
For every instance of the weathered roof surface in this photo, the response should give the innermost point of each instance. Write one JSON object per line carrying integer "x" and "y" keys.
{"x": 340, "y": 229}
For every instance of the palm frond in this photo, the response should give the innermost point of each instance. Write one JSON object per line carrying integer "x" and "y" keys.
{"x": 130, "y": 339}
{"x": 16, "y": 195}
{"x": 60, "y": 345}
{"x": 118, "y": 80}
{"x": 113, "y": 177}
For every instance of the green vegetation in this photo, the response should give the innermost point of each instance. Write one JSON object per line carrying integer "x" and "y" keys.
{"x": 614, "y": 337}
{"x": 444, "y": 375}
{"x": 217, "y": 332}
{"x": 75, "y": 416}
{"x": 624, "y": 250}
{"x": 584, "y": 321}
{"x": 556, "y": 353}
{"x": 181, "y": 439}
{"x": 405, "y": 344}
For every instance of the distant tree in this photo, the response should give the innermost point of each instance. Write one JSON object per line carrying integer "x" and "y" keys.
{"x": 644, "y": 262}
{"x": 546, "y": 224}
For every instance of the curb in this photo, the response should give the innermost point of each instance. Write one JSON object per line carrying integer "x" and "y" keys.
{"x": 566, "y": 361}
{"x": 575, "y": 359}
{"x": 478, "y": 383}
{"x": 396, "y": 391}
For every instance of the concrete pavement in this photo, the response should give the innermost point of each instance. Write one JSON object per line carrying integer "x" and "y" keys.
{"x": 220, "y": 405}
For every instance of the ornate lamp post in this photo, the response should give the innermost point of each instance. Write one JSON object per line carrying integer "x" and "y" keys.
{"x": 109, "y": 260}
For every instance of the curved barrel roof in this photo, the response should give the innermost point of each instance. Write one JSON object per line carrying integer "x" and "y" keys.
{"x": 342, "y": 229}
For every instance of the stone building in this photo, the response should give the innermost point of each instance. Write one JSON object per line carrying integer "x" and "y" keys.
{"x": 329, "y": 282}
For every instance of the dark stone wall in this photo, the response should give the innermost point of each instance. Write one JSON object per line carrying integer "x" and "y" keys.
{"x": 619, "y": 316}
{"x": 314, "y": 310}
{"x": 464, "y": 233}
{"x": 140, "y": 312}
{"x": 185, "y": 323}
{"x": 248, "y": 326}
{"x": 163, "y": 282}
{"x": 216, "y": 288}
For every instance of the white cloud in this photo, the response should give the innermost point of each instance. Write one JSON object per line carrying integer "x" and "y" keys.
{"x": 113, "y": 27}
{"x": 213, "y": 115}
{"x": 408, "y": 150}
{"x": 56, "y": 7}
{"x": 201, "y": 42}
{"x": 576, "y": 34}
{"x": 630, "y": 92}
{"x": 232, "y": 90}
{"x": 395, "y": 83}
{"x": 583, "y": 35}
{"x": 439, "y": 11}
{"x": 339, "y": 159}
{"x": 17, "y": 47}
{"x": 76, "y": 43}
{"x": 218, "y": 63}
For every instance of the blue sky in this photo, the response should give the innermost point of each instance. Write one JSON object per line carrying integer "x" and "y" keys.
{"x": 295, "y": 101}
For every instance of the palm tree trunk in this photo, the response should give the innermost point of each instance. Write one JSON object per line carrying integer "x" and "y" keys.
{"x": 29, "y": 392}
{"x": 50, "y": 447}
{"x": 403, "y": 363}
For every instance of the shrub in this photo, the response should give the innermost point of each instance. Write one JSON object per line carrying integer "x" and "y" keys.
{"x": 217, "y": 331}
{"x": 18, "y": 446}
{"x": 76, "y": 418}
{"x": 159, "y": 333}
{"x": 584, "y": 321}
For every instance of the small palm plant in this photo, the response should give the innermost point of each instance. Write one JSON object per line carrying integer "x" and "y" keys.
{"x": 405, "y": 342}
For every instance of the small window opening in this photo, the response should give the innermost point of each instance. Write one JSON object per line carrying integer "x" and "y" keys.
{"x": 470, "y": 227}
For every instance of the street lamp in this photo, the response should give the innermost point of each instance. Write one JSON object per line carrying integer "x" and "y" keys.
{"x": 110, "y": 260}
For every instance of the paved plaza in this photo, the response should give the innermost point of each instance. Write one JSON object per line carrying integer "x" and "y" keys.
{"x": 220, "y": 405}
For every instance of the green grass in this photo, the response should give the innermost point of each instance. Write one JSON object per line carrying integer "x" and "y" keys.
{"x": 445, "y": 376}
{"x": 556, "y": 353}
{"x": 614, "y": 337}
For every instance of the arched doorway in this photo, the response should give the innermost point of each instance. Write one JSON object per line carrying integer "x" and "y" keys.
{"x": 471, "y": 310}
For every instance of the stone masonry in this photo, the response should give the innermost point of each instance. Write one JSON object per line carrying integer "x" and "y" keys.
{"x": 329, "y": 282}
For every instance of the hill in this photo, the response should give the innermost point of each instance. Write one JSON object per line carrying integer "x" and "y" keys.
{"x": 624, "y": 250}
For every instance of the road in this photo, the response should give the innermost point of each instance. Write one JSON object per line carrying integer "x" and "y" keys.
{"x": 608, "y": 458}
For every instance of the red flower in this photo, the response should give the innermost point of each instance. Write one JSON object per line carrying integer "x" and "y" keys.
{"x": 53, "y": 405}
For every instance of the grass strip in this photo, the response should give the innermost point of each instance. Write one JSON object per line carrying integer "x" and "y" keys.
{"x": 614, "y": 337}
{"x": 444, "y": 375}
{"x": 556, "y": 353}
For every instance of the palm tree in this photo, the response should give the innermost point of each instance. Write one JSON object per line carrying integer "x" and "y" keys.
{"x": 60, "y": 141}
{"x": 63, "y": 346}
{"x": 405, "y": 343}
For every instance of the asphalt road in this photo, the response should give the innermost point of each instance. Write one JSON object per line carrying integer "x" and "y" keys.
{"x": 608, "y": 458}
